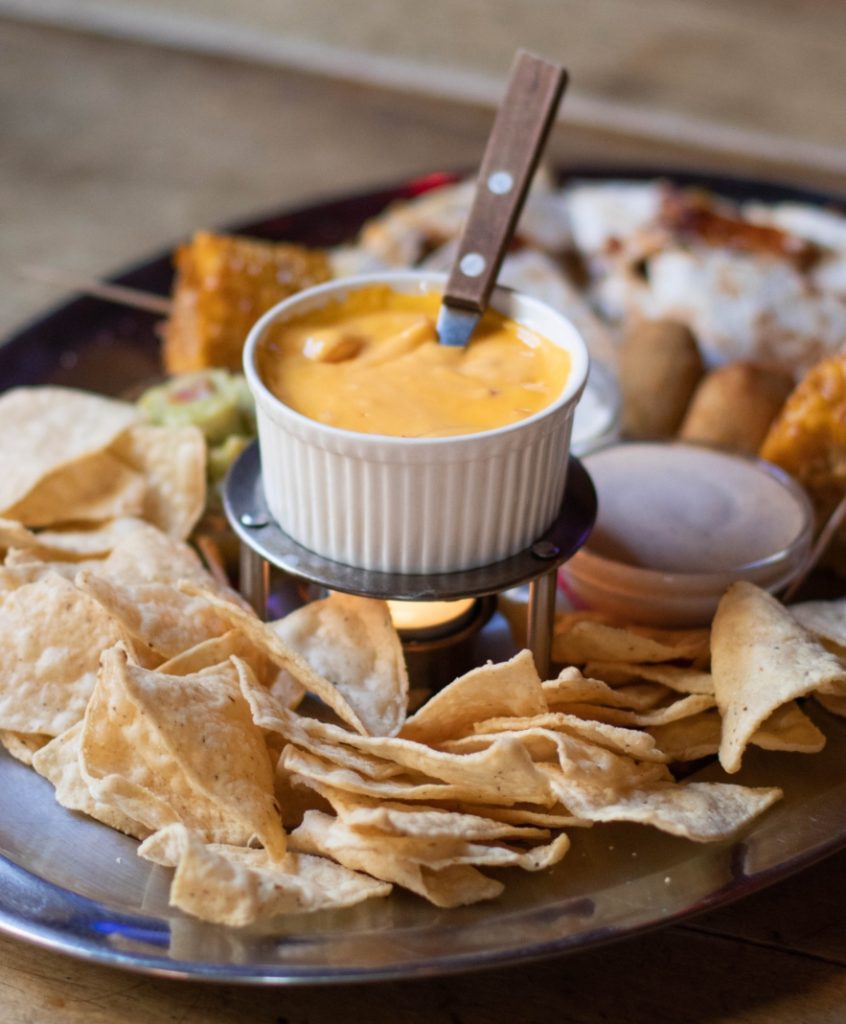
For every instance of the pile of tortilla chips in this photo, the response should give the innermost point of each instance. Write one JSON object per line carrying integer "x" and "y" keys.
{"x": 155, "y": 701}
{"x": 699, "y": 693}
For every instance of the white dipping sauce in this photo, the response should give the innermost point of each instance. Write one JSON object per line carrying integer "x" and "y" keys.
{"x": 684, "y": 509}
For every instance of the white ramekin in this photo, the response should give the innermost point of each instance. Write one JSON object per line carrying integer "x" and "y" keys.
{"x": 415, "y": 505}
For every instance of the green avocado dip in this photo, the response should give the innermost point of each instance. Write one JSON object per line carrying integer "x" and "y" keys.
{"x": 217, "y": 402}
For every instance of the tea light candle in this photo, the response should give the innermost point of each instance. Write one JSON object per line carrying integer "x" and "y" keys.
{"x": 413, "y": 618}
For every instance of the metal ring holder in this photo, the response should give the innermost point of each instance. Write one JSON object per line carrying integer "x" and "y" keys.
{"x": 263, "y": 543}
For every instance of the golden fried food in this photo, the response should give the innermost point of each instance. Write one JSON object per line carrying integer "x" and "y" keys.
{"x": 660, "y": 366}
{"x": 223, "y": 285}
{"x": 808, "y": 439}
{"x": 734, "y": 405}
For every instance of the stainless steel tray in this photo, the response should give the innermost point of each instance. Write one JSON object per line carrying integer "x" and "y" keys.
{"x": 70, "y": 884}
{"x": 73, "y": 885}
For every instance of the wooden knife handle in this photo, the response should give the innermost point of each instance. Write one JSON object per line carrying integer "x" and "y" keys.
{"x": 511, "y": 156}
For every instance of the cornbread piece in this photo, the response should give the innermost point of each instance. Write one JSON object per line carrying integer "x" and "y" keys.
{"x": 808, "y": 439}
{"x": 734, "y": 406}
{"x": 223, "y": 285}
{"x": 660, "y": 367}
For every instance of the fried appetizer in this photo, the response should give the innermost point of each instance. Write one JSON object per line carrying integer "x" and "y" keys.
{"x": 808, "y": 439}
{"x": 660, "y": 366}
{"x": 223, "y": 285}
{"x": 734, "y": 405}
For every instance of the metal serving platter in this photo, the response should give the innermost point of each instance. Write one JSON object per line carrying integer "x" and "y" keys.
{"x": 73, "y": 885}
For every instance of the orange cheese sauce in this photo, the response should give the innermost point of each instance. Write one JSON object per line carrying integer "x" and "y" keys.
{"x": 372, "y": 364}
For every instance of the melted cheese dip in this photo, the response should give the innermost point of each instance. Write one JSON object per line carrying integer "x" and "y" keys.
{"x": 372, "y": 364}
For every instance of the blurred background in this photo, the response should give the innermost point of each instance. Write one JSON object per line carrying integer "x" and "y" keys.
{"x": 126, "y": 124}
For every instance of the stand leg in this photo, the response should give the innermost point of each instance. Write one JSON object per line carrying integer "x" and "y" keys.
{"x": 254, "y": 579}
{"x": 541, "y": 615}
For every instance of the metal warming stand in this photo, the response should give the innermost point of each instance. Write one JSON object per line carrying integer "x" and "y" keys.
{"x": 264, "y": 544}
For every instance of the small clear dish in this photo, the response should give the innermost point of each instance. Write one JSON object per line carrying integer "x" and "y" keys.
{"x": 678, "y": 523}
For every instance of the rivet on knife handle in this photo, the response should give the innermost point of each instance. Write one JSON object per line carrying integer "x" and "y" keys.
{"x": 511, "y": 157}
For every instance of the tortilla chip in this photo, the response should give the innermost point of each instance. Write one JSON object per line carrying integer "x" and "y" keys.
{"x": 502, "y": 771}
{"x": 680, "y": 678}
{"x": 96, "y": 488}
{"x": 15, "y": 535}
{"x": 630, "y": 742}
{"x": 684, "y": 707}
{"x": 372, "y": 767}
{"x": 399, "y": 819}
{"x": 24, "y": 558}
{"x": 363, "y": 764}
{"x": 270, "y": 714}
{"x": 235, "y": 644}
{"x": 586, "y": 762}
{"x": 578, "y": 640}
{"x": 582, "y": 775}
{"x": 300, "y": 764}
{"x": 503, "y": 768}
{"x": 701, "y": 811}
{"x": 451, "y": 887}
{"x": 584, "y": 765}
{"x": 146, "y": 554}
{"x": 47, "y": 429}
{"x": 511, "y": 688}
{"x": 761, "y": 659}
{"x": 556, "y": 816}
{"x": 23, "y": 745}
{"x": 442, "y": 851}
{"x": 262, "y": 636}
{"x": 59, "y": 763}
{"x": 164, "y": 749}
{"x": 29, "y": 568}
{"x": 351, "y": 641}
{"x": 172, "y": 463}
{"x": 691, "y": 738}
{"x": 825, "y": 619}
{"x": 51, "y": 635}
{"x": 836, "y": 705}
{"x": 788, "y": 728}
{"x": 407, "y": 820}
{"x": 571, "y": 687}
{"x": 161, "y": 618}
{"x": 237, "y": 886}
{"x": 207, "y": 654}
{"x": 71, "y": 544}
{"x": 295, "y": 797}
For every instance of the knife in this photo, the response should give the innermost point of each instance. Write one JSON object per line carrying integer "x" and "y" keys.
{"x": 514, "y": 147}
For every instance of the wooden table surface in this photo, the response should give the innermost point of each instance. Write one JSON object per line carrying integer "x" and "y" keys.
{"x": 112, "y": 151}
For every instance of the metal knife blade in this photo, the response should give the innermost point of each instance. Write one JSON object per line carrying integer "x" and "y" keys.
{"x": 455, "y": 325}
